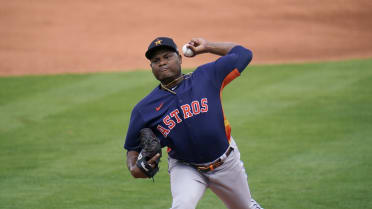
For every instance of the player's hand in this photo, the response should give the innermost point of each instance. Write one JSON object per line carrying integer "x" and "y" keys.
{"x": 198, "y": 45}
{"x": 138, "y": 173}
{"x": 153, "y": 160}
{"x": 135, "y": 171}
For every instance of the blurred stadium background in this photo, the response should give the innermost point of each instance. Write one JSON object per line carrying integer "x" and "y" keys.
{"x": 54, "y": 36}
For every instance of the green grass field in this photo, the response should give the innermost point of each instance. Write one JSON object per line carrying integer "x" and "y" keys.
{"x": 304, "y": 131}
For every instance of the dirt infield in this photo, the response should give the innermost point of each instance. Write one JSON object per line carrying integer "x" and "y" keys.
{"x": 50, "y": 37}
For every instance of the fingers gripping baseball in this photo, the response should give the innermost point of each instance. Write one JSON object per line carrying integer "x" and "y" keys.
{"x": 197, "y": 46}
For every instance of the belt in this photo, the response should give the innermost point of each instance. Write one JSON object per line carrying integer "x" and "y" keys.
{"x": 215, "y": 164}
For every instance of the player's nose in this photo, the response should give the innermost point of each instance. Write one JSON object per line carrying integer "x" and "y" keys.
{"x": 163, "y": 62}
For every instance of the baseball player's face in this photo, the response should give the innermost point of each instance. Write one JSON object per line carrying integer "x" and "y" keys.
{"x": 166, "y": 65}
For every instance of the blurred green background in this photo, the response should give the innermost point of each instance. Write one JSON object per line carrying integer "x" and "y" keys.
{"x": 304, "y": 131}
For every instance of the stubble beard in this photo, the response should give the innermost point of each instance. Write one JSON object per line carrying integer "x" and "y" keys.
{"x": 169, "y": 79}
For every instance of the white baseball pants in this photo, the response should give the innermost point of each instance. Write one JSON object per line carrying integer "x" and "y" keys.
{"x": 228, "y": 181}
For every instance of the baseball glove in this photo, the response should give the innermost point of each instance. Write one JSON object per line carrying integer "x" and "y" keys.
{"x": 150, "y": 145}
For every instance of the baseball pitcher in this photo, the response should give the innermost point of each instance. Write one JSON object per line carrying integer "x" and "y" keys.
{"x": 184, "y": 113}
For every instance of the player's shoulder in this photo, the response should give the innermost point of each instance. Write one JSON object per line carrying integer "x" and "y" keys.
{"x": 202, "y": 69}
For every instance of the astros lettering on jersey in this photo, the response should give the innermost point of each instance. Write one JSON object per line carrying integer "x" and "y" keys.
{"x": 188, "y": 111}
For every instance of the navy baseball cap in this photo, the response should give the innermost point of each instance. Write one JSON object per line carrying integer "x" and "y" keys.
{"x": 161, "y": 42}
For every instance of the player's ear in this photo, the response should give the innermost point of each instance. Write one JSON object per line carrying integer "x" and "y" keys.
{"x": 180, "y": 58}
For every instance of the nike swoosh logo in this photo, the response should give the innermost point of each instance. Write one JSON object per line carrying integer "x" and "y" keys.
{"x": 158, "y": 108}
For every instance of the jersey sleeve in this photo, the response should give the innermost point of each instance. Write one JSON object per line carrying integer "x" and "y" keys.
{"x": 135, "y": 125}
{"x": 230, "y": 66}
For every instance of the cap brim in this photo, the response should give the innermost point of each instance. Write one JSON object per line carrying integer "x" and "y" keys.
{"x": 150, "y": 52}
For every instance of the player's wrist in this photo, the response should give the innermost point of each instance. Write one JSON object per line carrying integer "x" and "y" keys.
{"x": 136, "y": 172}
{"x": 209, "y": 47}
{"x": 220, "y": 48}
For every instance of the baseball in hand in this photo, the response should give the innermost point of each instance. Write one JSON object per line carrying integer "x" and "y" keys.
{"x": 187, "y": 51}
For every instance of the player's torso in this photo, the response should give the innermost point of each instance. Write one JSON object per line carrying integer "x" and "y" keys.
{"x": 190, "y": 122}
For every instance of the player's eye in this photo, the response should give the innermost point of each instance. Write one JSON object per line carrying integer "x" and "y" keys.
{"x": 155, "y": 61}
{"x": 169, "y": 55}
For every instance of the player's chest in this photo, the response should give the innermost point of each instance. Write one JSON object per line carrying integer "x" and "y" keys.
{"x": 180, "y": 106}
{"x": 180, "y": 109}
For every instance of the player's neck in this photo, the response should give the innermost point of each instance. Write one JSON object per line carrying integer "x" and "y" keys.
{"x": 172, "y": 84}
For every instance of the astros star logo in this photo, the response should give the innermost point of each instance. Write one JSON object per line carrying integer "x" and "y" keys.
{"x": 158, "y": 42}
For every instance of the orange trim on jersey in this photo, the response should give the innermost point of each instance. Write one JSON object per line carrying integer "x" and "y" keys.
{"x": 231, "y": 76}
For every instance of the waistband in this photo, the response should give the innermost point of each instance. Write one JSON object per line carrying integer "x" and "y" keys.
{"x": 215, "y": 164}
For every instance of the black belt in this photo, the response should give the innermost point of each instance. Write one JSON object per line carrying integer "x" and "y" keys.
{"x": 214, "y": 165}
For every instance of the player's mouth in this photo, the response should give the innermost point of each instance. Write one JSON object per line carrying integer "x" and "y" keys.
{"x": 162, "y": 69}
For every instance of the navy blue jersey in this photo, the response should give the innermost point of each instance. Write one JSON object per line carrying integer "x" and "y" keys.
{"x": 191, "y": 123}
